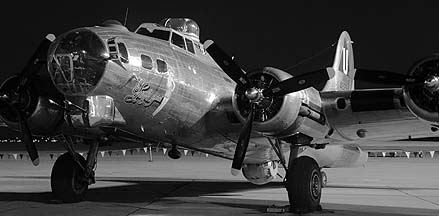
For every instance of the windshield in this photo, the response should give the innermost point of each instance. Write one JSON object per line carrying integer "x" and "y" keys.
{"x": 157, "y": 33}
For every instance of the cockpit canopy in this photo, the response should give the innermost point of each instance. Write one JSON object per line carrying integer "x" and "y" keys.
{"x": 181, "y": 32}
{"x": 183, "y": 25}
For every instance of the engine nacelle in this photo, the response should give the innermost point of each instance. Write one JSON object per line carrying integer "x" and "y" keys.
{"x": 423, "y": 99}
{"x": 44, "y": 117}
{"x": 260, "y": 174}
{"x": 298, "y": 112}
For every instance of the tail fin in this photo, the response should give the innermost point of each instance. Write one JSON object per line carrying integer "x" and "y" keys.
{"x": 343, "y": 67}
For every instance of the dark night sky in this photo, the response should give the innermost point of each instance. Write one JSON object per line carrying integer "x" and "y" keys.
{"x": 387, "y": 36}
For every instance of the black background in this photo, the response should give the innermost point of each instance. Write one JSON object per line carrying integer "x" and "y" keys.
{"x": 387, "y": 35}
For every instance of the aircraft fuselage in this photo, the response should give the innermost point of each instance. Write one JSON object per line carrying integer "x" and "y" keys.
{"x": 162, "y": 91}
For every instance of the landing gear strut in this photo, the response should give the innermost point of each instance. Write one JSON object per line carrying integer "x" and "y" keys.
{"x": 72, "y": 174}
{"x": 303, "y": 181}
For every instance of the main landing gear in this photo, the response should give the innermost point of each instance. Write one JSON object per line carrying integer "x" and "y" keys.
{"x": 303, "y": 179}
{"x": 72, "y": 174}
{"x": 304, "y": 185}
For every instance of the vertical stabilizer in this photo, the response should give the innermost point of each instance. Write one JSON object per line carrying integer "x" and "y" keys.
{"x": 343, "y": 66}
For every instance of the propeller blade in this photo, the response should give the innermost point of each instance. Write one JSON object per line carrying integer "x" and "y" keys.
{"x": 226, "y": 63}
{"x": 385, "y": 77}
{"x": 33, "y": 66}
{"x": 298, "y": 83}
{"x": 27, "y": 139}
{"x": 241, "y": 147}
{"x": 34, "y": 63}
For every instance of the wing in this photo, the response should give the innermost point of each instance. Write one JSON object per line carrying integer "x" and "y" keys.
{"x": 380, "y": 114}
{"x": 377, "y": 120}
{"x": 400, "y": 145}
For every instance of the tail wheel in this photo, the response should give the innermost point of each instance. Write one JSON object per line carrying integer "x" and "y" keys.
{"x": 68, "y": 180}
{"x": 304, "y": 185}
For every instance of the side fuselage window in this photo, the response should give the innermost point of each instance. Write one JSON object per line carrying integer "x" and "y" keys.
{"x": 123, "y": 52}
{"x": 178, "y": 40}
{"x": 190, "y": 46}
{"x": 146, "y": 62}
{"x": 162, "y": 67}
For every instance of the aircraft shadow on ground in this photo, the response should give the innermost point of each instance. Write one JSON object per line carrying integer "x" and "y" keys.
{"x": 145, "y": 191}
{"x": 334, "y": 209}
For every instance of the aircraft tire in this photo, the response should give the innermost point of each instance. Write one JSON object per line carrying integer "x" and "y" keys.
{"x": 304, "y": 185}
{"x": 66, "y": 178}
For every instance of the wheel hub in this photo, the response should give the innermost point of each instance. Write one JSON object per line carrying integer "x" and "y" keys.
{"x": 80, "y": 181}
{"x": 315, "y": 185}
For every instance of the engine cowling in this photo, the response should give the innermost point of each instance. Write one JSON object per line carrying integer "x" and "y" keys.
{"x": 423, "y": 99}
{"x": 283, "y": 116}
{"x": 273, "y": 115}
{"x": 43, "y": 120}
{"x": 46, "y": 118}
{"x": 42, "y": 115}
{"x": 260, "y": 174}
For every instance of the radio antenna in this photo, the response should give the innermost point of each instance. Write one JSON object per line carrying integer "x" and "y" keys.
{"x": 126, "y": 18}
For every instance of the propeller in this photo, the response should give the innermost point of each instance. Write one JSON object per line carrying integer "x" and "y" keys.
{"x": 16, "y": 97}
{"x": 298, "y": 83}
{"x": 255, "y": 95}
{"x": 243, "y": 140}
{"x": 229, "y": 66}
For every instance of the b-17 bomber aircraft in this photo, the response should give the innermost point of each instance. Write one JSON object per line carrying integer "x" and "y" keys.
{"x": 105, "y": 84}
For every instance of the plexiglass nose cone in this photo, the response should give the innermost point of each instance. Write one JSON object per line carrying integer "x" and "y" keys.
{"x": 77, "y": 62}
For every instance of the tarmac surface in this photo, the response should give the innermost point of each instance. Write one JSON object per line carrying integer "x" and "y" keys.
{"x": 199, "y": 185}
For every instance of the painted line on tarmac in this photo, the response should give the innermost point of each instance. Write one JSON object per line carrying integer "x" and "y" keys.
{"x": 414, "y": 196}
{"x": 159, "y": 197}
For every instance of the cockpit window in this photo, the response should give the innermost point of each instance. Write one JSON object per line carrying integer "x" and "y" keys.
{"x": 157, "y": 33}
{"x": 178, "y": 40}
{"x": 199, "y": 48}
{"x": 190, "y": 46}
{"x": 123, "y": 52}
{"x": 143, "y": 31}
